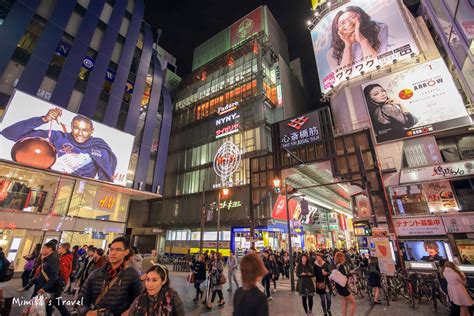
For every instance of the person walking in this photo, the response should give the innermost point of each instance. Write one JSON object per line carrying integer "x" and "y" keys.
{"x": 286, "y": 264}
{"x": 248, "y": 299}
{"x": 457, "y": 292}
{"x": 75, "y": 267}
{"x": 305, "y": 285}
{"x": 216, "y": 279}
{"x": 158, "y": 299}
{"x": 88, "y": 267}
{"x": 48, "y": 279}
{"x": 232, "y": 273}
{"x": 199, "y": 270}
{"x": 348, "y": 301}
{"x": 321, "y": 272}
{"x": 29, "y": 265}
{"x": 374, "y": 279}
{"x": 274, "y": 271}
{"x": 111, "y": 289}
{"x": 266, "y": 279}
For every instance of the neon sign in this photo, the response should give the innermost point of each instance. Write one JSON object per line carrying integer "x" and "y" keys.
{"x": 227, "y": 160}
{"x": 227, "y": 108}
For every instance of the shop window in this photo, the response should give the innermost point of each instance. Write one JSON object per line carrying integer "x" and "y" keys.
{"x": 94, "y": 202}
{"x": 408, "y": 200}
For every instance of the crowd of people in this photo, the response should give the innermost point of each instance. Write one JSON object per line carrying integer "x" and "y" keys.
{"x": 102, "y": 284}
{"x": 122, "y": 281}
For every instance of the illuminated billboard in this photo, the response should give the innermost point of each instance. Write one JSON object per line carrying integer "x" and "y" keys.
{"x": 246, "y": 27}
{"x": 302, "y": 130}
{"x": 358, "y": 37}
{"x": 413, "y": 102}
{"x": 228, "y": 120}
{"x": 39, "y": 134}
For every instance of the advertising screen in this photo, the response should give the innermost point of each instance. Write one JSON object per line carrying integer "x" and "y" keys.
{"x": 358, "y": 37}
{"x": 39, "y": 134}
{"x": 246, "y": 27}
{"x": 413, "y": 102}
{"x": 419, "y": 250}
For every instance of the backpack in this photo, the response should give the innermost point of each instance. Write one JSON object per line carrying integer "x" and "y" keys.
{"x": 7, "y": 270}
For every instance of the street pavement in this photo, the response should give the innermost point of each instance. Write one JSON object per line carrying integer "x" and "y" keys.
{"x": 285, "y": 302}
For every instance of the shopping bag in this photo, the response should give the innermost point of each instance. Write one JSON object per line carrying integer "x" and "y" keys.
{"x": 338, "y": 277}
{"x": 36, "y": 306}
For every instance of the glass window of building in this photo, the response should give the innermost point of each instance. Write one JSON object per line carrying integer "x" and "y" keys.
{"x": 408, "y": 200}
{"x": 131, "y": 6}
{"x": 10, "y": 77}
{"x": 34, "y": 192}
{"x": 73, "y": 24}
{"x": 94, "y": 202}
{"x": 84, "y": 3}
{"x": 97, "y": 39}
{"x": 75, "y": 101}
{"x": 106, "y": 13}
{"x": 117, "y": 52}
{"x": 46, "y": 8}
{"x": 30, "y": 38}
{"x": 124, "y": 27}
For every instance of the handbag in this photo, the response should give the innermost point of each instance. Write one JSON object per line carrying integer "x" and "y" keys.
{"x": 338, "y": 277}
{"x": 191, "y": 278}
{"x": 321, "y": 285}
{"x": 222, "y": 279}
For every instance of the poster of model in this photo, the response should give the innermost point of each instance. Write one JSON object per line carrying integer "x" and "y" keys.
{"x": 358, "y": 37}
{"x": 39, "y": 134}
{"x": 416, "y": 101}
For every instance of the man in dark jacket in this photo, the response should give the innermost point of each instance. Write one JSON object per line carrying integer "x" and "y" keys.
{"x": 266, "y": 279}
{"x": 113, "y": 287}
{"x": 48, "y": 279}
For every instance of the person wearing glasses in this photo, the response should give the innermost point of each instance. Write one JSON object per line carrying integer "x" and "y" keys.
{"x": 110, "y": 290}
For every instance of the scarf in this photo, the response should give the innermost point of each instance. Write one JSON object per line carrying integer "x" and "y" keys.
{"x": 158, "y": 305}
{"x": 111, "y": 272}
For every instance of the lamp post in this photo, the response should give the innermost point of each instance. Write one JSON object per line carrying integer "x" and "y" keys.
{"x": 277, "y": 185}
{"x": 225, "y": 194}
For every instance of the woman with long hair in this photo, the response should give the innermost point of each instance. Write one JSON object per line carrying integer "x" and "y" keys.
{"x": 322, "y": 271}
{"x": 355, "y": 36}
{"x": 158, "y": 298}
{"x": 199, "y": 270}
{"x": 248, "y": 299}
{"x": 348, "y": 300}
{"x": 386, "y": 113}
{"x": 216, "y": 280}
{"x": 305, "y": 285}
{"x": 457, "y": 292}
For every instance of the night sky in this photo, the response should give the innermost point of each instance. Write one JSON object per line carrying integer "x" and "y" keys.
{"x": 188, "y": 23}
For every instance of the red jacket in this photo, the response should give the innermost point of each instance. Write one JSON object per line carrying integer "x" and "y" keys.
{"x": 65, "y": 266}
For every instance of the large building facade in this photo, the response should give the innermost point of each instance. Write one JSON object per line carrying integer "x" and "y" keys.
{"x": 241, "y": 83}
{"x": 415, "y": 98}
{"x": 97, "y": 63}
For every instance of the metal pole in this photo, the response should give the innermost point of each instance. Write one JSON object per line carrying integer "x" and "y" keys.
{"x": 203, "y": 220}
{"x": 290, "y": 247}
{"x": 218, "y": 219}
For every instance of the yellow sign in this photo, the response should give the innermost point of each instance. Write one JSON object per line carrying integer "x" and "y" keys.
{"x": 315, "y": 3}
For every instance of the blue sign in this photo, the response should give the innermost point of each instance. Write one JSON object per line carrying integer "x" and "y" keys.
{"x": 63, "y": 49}
{"x": 110, "y": 75}
{"x": 129, "y": 87}
{"x": 88, "y": 62}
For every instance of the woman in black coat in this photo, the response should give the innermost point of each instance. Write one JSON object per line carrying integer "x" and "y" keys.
{"x": 322, "y": 270}
{"x": 199, "y": 270}
{"x": 305, "y": 285}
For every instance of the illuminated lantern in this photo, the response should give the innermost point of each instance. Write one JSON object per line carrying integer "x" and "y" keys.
{"x": 203, "y": 75}
{"x": 230, "y": 61}
{"x": 255, "y": 48}
{"x": 34, "y": 151}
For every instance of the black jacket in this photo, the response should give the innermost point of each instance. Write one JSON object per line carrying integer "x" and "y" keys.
{"x": 200, "y": 271}
{"x": 120, "y": 295}
{"x": 50, "y": 266}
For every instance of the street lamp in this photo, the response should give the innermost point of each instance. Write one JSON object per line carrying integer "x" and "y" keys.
{"x": 276, "y": 185}
{"x": 224, "y": 194}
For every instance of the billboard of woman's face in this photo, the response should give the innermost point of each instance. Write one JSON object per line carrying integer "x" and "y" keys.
{"x": 363, "y": 35}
